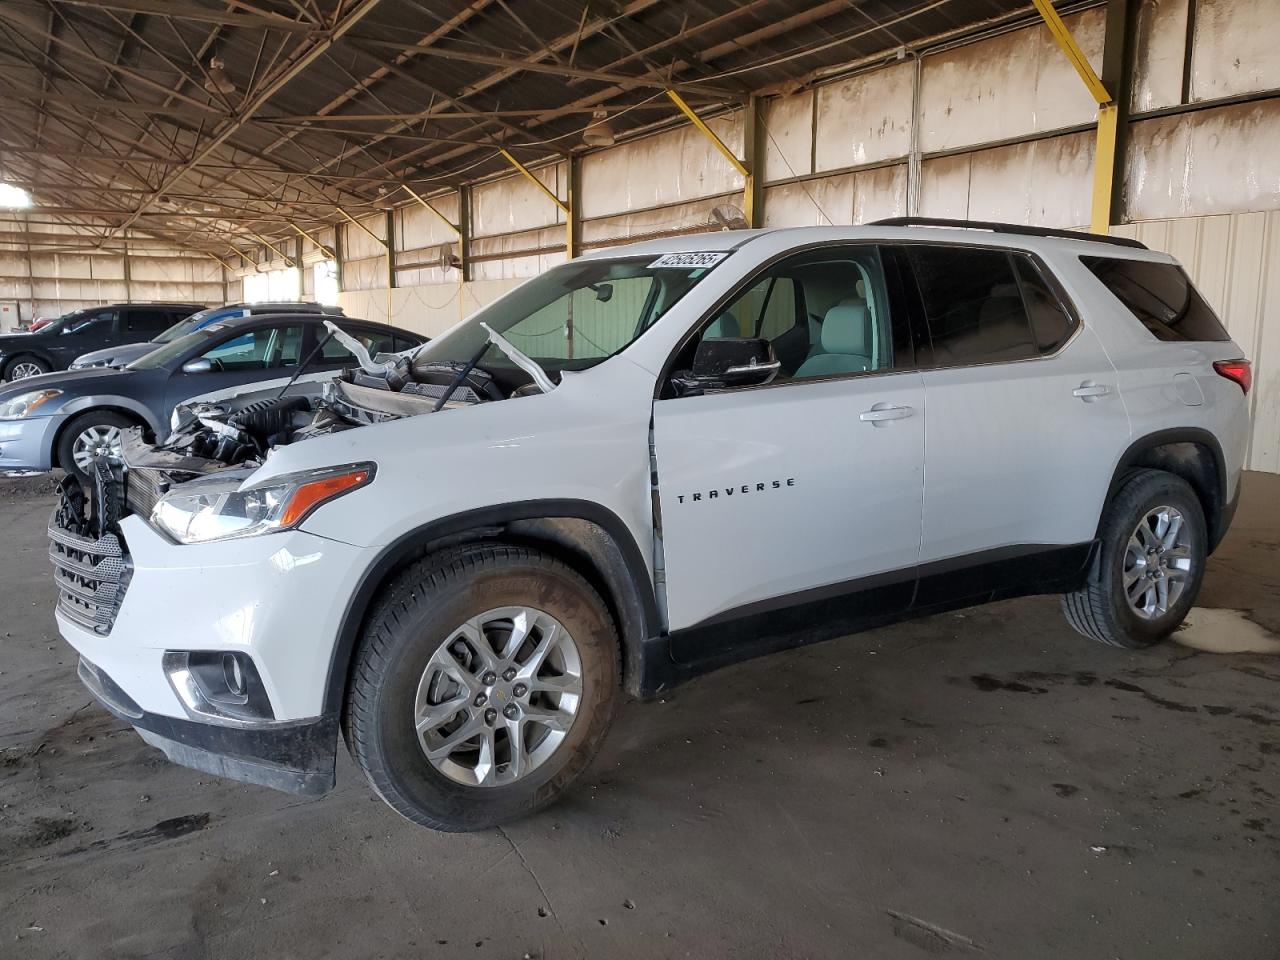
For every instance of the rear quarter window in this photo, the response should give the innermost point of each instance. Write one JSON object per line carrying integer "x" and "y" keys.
{"x": 1161, "y": 296}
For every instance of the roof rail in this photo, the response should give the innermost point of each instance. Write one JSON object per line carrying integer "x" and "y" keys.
{"x": 1014, "y": 228}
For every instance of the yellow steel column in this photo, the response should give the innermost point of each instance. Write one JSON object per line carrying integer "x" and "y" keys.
{"x": 1104, "y": 159}
{"x": 750, "y": 188}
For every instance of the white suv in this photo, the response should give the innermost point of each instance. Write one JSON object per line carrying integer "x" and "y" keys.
{"x": 644, "y": 464}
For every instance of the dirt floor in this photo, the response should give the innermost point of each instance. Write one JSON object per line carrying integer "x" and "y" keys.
{"x": 984, "y": 783}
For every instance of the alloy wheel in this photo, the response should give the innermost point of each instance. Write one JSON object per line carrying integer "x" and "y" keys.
{"x": 24, "y": 369}
{"x": 1158, "y": 562}
{"x": 498, "y": 696}
{"x": 96, "y": 442}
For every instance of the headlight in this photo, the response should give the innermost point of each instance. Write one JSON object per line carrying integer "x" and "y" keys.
{"x": 215, "y": 509}
{"x": 25, "y": 404}
{"x": 83, "y": 365}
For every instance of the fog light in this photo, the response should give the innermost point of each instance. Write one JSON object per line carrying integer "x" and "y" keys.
{"x": 218, "y": 687}
{"x": 233, "y": 673}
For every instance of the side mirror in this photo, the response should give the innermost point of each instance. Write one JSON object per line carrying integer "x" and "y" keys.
{"x": 724, "y": 362}
{"x": 199, "y": 365}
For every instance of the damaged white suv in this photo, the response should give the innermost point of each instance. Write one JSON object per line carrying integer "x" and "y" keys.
{"x": 642, "y": 465}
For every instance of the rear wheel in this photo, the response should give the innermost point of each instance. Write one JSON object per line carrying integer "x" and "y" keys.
{"x": 19, "y": 368}
{"x": 482, "y": 687}
{"x": 1149, "y": 567}
{"x": 90, "y": 436}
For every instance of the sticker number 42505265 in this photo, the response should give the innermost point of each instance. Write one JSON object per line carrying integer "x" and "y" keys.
{"x": 688, "y": 260}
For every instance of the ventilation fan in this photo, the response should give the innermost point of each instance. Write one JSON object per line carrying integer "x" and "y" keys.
{"x": 727, "y": 217}
{"x": 446, "y": 259}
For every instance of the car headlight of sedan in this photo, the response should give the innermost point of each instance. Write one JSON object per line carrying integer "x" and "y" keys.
{"x": 216, "y": 509}
{"x": 26, "y": 404}
{"x": 86, "y": 364}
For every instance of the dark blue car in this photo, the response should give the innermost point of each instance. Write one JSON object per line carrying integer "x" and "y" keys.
{"x": 69, "y": 419}
{"x": 123, "y": 354}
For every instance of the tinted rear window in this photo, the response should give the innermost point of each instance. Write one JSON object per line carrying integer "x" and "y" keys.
{"x": 972, "y": 304}
{"x": 1161, "y": 296}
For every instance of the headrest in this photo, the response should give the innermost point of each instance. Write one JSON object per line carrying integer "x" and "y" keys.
{"x": 846, "y": 329}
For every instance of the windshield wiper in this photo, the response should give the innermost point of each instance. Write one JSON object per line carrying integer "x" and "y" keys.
{"x": 521, "y": 360}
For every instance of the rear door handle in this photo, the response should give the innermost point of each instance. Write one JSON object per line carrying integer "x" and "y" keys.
{"x": 1090, "y": 391}
{"x": 881, "y": 413}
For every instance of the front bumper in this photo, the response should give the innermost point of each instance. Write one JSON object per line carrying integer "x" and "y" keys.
{"x": 278, "y": 599}
{"x": 28, "y": 444}
{"x": 293, "y": 757}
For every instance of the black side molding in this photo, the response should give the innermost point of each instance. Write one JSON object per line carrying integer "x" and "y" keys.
{"x": 838, "y": 610}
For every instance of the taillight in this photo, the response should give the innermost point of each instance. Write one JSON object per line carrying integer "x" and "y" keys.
{"x": 1238, "y": 371}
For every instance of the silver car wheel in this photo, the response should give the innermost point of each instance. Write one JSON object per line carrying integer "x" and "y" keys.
{"x": 24, "y": 369}
{"x": 498, "y": 696}
{"x": 1158, "y": 562}
{"x": 95, "y": 442}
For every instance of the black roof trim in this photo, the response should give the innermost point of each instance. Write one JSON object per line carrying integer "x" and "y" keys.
{"x": 1014, "y": 228}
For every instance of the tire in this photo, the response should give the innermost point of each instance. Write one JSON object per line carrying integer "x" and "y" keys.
{"x": 21, "y": 367}
{"x": 406, "y": 636}
{"x": 107, "y": 423}
{"x": 1102, "y": 609}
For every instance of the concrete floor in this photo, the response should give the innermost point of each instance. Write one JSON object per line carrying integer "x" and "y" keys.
{"x": 982, "y": 783}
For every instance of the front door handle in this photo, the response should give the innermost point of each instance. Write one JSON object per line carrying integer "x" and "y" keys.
{"x": 880, "y": 414}
{"x": 1090, "y": 391}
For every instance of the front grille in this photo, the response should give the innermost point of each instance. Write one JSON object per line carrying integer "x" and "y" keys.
{"x": 91, "y": 575}
{"x": 142, "y": 488}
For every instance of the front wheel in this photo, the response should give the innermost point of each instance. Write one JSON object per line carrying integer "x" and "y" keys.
{"x": 91, "y": 436}
{"x": 482, "y": 687}
{"x": 19, "y": 368}
{"x": 1148, "y": 570}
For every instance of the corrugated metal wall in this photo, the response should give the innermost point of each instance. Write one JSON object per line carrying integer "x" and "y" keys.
{"x": 1004, "y": 132}
{"x": 1235, "y": 261}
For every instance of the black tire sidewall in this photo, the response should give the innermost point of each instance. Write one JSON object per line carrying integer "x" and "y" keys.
{"x": 393, "y": 741}
{"x": 1144, "y": 493}
{"x": 67, "y": 439}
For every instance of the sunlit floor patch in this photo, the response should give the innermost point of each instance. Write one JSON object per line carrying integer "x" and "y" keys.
{"x": 1225, "y": 631}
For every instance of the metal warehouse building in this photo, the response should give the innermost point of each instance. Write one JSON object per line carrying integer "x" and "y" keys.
{"x": 445, "y": 512}
{"x": 423, "y": 175}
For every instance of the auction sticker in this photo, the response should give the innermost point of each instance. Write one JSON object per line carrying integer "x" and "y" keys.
{"x": 688, "y": 260}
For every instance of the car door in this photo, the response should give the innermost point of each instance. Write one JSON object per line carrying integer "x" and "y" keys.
{"x": 806, "y": 490}
{"x": 238, "y": 357}
{"x": 1024, "y": 424}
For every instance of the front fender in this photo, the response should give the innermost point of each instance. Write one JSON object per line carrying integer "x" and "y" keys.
{"x": 116, "y": 402}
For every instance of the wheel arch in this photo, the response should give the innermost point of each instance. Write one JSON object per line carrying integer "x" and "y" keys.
{"x": 1191, "y": 453}
{"x": 588, "y": 537}
{"x": 116, "y": 405}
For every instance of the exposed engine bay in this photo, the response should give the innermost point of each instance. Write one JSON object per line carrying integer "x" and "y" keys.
{"x": 241, "y": 432}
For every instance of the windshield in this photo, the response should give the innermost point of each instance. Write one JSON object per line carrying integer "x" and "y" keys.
{"x": 578, "y": 314}
{"x": 175, "y": 348}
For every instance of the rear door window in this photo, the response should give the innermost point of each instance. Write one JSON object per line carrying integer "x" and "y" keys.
{"x": 972, "y": 304}
{"x": 1161, "y": 296}
{"x": 1051, "y": 323}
